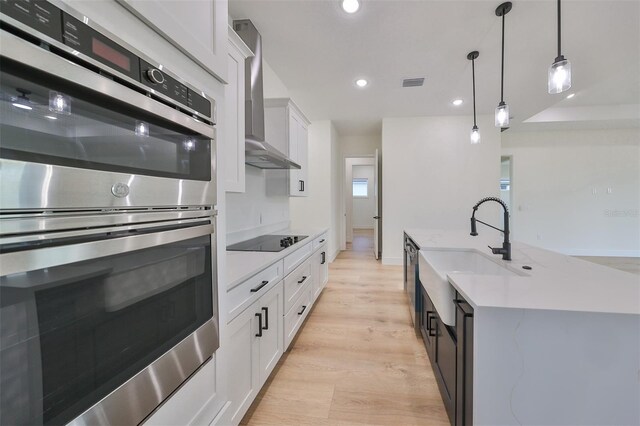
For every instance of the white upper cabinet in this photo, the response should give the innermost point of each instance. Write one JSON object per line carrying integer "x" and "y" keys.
{"x": 286, "y": 129}
{"x": 196, "y": 27}
{"x": 232, "y": 146}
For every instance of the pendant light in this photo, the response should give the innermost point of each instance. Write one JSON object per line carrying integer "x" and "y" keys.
{"x": 502, "y": 111}
{"x": 475, "y": 132}
{"x": 560, "y": 70}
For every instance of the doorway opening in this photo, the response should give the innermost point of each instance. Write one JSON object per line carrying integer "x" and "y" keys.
{"x": 361, "y": 204}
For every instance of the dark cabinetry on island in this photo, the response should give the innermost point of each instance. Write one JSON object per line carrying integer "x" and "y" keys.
{"x": 450, "y": 351}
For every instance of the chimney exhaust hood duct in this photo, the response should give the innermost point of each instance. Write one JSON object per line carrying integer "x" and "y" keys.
{"x": 258, "y": 152}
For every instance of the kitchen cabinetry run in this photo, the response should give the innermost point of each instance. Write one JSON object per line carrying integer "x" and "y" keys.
{"x": 264, "y": 314}
{"x": 286, "y": 129}
{"x": 440, "y": 342}
{"x": 233, "y": 145}
{"x": 450, "y": 351}
{"x": 255, "y": 345}
{"x": 198, "y": 28}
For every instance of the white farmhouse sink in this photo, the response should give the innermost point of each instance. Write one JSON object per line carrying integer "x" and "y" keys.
{"x": 436, "y": 264}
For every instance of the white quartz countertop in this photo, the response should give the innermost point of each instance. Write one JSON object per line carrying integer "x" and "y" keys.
{"x": 242, "y": 265}
{"x": 556, "y": 281}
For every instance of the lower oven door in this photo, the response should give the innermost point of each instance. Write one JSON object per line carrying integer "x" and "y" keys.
{"x": 101, "y": 328}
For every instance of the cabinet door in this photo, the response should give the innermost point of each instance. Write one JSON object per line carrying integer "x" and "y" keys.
{"x": 270, "y": 306}
{"x": 244, "y": 382}
{"x": 324, "y": 267}
{"x": 316, "y": 261}
{"x": 196, "y": 27}
{"x": 303, "y": 160}
{"x": 445, "y": 366}
{"x": 233, "y": 144}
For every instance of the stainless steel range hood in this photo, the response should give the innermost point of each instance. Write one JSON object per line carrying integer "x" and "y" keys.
{"x": 258, "y": 152}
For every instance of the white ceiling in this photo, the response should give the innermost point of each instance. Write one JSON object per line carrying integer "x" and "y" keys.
{"x": 319, "y": 51}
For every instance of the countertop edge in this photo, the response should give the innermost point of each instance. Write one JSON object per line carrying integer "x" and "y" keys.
{"x": 277, "y": 256}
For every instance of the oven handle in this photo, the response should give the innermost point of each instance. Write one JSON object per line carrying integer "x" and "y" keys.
{"x": 33, "y": 56}
{"x": 31, "y": 260}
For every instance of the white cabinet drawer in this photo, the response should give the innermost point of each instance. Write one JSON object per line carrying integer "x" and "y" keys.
{"x": 296, "y": 258}
{"x": 295, "y": 283}
{"x": 319, "y": 241}
{"x": 296, "y": 315}
{"x": 240, "y": 297}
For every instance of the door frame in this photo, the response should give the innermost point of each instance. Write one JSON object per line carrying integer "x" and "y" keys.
{"x": 347, "y": 202}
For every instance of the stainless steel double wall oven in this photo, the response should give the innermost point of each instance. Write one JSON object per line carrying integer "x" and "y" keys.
{"x": 108, "y": 296}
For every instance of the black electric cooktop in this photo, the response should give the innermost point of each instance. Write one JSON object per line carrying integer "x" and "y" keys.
{"x": 271, "y": 243}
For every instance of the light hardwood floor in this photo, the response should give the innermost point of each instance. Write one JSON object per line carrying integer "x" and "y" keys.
{"x": 357, "y": 359}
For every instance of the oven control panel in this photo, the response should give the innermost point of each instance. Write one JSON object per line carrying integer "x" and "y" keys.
{"x": 49, "y": 20}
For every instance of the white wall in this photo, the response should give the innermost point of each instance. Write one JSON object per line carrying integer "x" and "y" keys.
{"x": 364, "y": 208}
{"x": 262, "y": 208}
{"x": 560, "y": 190}
{"x": 359, "y": 146}
{"x": 318, "y": 209}
{"x": 433, "y": 176}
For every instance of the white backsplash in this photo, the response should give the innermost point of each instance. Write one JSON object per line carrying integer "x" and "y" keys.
{"x": 262, "y": 208}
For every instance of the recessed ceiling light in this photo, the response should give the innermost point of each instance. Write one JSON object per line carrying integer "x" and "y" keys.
{"x": 571, "y": 96}
{"x": 457, "y": 102}
{"x": 51, "y": 117}
{"x": 350, "y": 6}
{"x": 361, "y": 82}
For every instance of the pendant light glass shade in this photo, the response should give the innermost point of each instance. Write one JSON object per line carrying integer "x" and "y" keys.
{"x": 502, "y": 115}
{"x": 502, "y": 111}
{"x": 475, "y": 135}
{"x": 559, "y": 76}
{"x": 560, "y": 71}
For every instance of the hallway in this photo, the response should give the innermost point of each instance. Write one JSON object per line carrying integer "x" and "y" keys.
{"x": 357, "y": 359}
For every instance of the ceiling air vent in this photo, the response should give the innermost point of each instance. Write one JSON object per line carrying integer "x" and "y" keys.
{"x": 413, "y": 82}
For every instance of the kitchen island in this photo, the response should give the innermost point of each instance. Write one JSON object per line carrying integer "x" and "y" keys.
{"x": 558, "y": 343}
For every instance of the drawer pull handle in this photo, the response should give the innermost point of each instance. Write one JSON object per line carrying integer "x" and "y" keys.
{"x": 430, "y": 327}
{"x": 266, "y": 318}
{"x": 259, "y": 325}
{"x": 302, "y": 280}
{"x": 262, "y": 284}
{"x": 321, "y": 241}
{"x": 304, "y": 307}
{"x": 324, "y": 258}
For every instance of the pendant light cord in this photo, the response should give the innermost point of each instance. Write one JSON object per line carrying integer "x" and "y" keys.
{"x": 502, "y": 72}
{"x": 473, "y": 74}
{"x": 559, "y": 32}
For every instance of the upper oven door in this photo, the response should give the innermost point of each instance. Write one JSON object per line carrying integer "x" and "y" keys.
{"x": 71, "y": 138}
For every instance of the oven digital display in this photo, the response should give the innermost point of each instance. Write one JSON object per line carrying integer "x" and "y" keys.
{"x": 110, "y": 54}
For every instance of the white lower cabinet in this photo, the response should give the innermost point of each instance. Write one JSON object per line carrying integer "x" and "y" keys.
{"x": 266, "y": 319}
{"x": 320, "y": 267}
{"x": 255, "y": 345}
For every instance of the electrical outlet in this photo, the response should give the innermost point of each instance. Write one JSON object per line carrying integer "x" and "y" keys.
{"x": 609, "y": 190}
{"x": 539, "y": 237}
{"x": 594, "y": 191}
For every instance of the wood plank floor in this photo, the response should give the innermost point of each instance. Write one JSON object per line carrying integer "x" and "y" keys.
{"x": 357, "y": 359}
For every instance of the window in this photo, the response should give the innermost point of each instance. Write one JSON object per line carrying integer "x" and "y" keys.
{"x": 360, "y": 188}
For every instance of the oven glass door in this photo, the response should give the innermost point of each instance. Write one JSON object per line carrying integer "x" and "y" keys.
{"x": 71, "y": 334}
{"x": 47, "y": 120}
